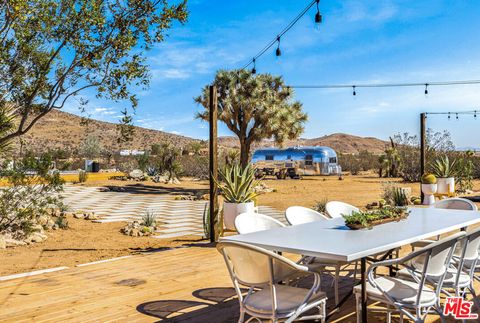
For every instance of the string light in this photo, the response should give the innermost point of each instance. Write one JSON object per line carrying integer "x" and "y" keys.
{"x": 278, "y": 52}
{"x": 254, "y": 69}
{"x": 283, "y": 32}
{"x": 457, "y": 114}
{"x": 318, "y": 16}
{"x": 426, "y": 88}
{"x": 354, "y": 92}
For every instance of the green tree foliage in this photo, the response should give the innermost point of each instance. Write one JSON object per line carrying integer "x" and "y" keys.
{"x": 91, "y": 147}
{"x": 255, "y": 107}
{"x": 32, "y": 193}
{"x": 51, "y": 50}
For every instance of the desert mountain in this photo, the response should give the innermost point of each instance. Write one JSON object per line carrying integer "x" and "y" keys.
{"x": 340, "y": 142}
{"x": 66, "y": 131}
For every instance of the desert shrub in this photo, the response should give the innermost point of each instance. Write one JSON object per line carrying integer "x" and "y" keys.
{"x": 464, "y": 171}
{"x": 321, "y": 205}
{"x": 143, "y": 161}
{"x": 91, "y": 147}
{"x": 394, "y": 194}
{"x": 33, "y": 191}
{"x": 82, "y": 176}
{"x": 149, "y": 218}
{"x": 62, "y": 222}
{"x": 167, "y": 161}
{"x": 194, "y": 166}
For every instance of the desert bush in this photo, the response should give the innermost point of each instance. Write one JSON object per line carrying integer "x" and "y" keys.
{"x": 394, "y": 195}
{"x": 143, "y": 161}
{"x": 33, "y": 191}
{"x": 149, "y": 218}
{"x": 321, "y": 205}
{"x": 464, "y": 171}
{"x": 194, "y": 166}
{"x": 62, "y": 222}
{"x": 166, "y": 161}
{"x": 91, "y": 147}
{"x": 82, "y": 176}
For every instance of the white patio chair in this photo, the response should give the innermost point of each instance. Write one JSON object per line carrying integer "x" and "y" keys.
{"x": 299, "y": 215}
{"x": 455, "y": 203}
{"x": 258, "y": 269}
{"x": 253, "y": 222}
{"x": 336, "y": 209}
{"x": 406, "y": 295}
{"x": 460, "y": 274}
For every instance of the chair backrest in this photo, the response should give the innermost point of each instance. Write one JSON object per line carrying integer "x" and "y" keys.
{"x": 253, "y": 222}
{"x": 336, "y": 209}
{"x": 299, "y": 215}
{"x": 468, "y": 248}
{"x": 253, "y": 266}
{"x": 455, "y": 203}
{"x": 436, "y": 257}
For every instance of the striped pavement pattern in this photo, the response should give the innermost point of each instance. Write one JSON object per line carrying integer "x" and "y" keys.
{"x": 178, "y": 217}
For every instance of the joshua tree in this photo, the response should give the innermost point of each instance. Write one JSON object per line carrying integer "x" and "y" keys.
{"x": 255, "y": 107}
{"x": 51, "y": 50}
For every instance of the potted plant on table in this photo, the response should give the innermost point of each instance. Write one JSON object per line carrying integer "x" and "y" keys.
{"x": 444, "y": 170}
{"x": 238, "y": 190}
{"x": 429, "y": 188}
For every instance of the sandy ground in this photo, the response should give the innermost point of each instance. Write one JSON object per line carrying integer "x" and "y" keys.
{"x": 86, "y": 241}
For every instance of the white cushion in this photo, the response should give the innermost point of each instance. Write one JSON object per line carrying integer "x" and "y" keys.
{"x": 401, "y": 290}
{"x": 289, "y": 298}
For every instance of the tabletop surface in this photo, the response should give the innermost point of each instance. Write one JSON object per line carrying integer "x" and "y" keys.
{"x": 331, "y": 239}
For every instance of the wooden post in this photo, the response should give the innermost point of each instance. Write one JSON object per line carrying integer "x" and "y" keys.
{"x": 213, "y": 165}
{"x": 423, "y": 146}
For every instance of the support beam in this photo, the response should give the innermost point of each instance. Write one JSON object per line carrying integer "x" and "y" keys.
{"x": 423, "y": 145}
{"x": 213, "y": 164}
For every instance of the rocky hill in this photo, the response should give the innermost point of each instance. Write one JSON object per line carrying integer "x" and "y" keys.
{"x": 66, "y": 131}
{"x": 340, "y": 142}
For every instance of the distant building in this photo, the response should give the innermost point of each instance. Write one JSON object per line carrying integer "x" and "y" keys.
{"x": 134, "y": 152}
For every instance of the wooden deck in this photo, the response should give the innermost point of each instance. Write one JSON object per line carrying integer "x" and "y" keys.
{"x": 180, "y": 285}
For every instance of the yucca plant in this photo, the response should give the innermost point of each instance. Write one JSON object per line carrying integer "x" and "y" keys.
{"x": 238, "y": 184}
{"x": 443, "y": 168}
{"x": 149, "y": 218}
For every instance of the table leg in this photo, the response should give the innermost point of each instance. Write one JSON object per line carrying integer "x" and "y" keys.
{"x": 363, "y": 268}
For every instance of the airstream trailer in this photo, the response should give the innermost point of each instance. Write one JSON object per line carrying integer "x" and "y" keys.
{"x": 296, "y": 162}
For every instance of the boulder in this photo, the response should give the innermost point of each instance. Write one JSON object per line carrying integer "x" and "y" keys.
{"x": 78, "y": 216}
{"x": 3, "y": 243}
{"x": 36, "y": 237}
{"x": 14, "y": 243}
{"x": 136, "y": 174}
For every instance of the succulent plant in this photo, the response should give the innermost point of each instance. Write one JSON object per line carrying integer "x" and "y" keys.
{"x": 238, "y": 184}
{"x": 429, "y": 179}
{"x": 443, "y": 168}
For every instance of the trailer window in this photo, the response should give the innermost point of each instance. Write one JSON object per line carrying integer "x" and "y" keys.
{"x": 308, "y": 160}
{"x": 269, "y": 157}
{"x": 333, "y": 160}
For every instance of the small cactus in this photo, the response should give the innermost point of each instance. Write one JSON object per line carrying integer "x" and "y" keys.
{"x": 429, "y": 179}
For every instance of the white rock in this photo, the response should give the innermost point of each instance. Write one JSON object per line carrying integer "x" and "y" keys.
{"x": 136, "y": 174}
{"x": 3, "y": 243}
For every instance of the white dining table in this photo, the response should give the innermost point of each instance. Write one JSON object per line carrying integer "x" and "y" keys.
{"x": 332, "y": 240}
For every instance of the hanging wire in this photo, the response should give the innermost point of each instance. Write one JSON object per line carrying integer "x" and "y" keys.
{"x": 283, "y": 32}
{"x": 376, "y": 85}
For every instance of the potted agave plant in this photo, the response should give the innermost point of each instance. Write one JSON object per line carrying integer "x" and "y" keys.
{"x": 429, "y": 188}
{"x": 444, "y": 170}
{"x": 237, "y": 189}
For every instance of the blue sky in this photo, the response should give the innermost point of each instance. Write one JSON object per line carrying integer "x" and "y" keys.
{"x": 359, "y": 42}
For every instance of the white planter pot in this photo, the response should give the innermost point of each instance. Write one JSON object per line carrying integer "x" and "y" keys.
{"x": 446, "y": 185}
{"x": 231, "y": 210}
{"x": 428, "y": 191}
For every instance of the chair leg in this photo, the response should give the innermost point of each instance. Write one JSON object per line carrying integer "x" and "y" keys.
{"x": 401, "y": 317}
{"x": 242, "y": 316}
{"x": 337, "y": 278}
{"x": 358, "y": 307}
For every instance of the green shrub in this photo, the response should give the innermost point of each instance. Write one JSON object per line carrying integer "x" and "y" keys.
{"x": 82, "y": 176}
{"x": 321, "y": 205}
{"x": 62, "y": 222}
{"x": 149, "y": 218}
{"x": 394, "y": 194}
